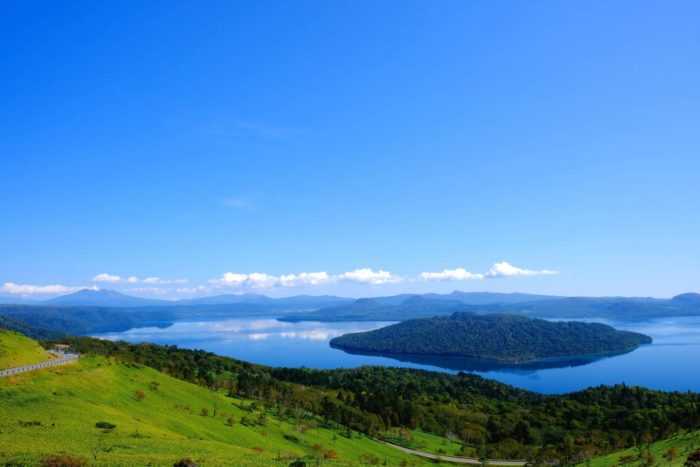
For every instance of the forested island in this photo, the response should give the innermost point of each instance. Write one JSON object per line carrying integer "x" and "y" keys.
{"x": 497, "y": 337}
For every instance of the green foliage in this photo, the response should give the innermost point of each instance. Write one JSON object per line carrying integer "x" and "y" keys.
{"x": 489, "y": 418}
{"x": 25, "y": 329}
{"x": 66, "y": 404}
{"x": 105, "y": 425}
{"x": 78, "y": 320}
{"x": 672, "y": 452}
{"x": 500, "y": 337}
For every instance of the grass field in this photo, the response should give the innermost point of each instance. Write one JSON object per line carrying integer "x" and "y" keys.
{"x": 683, "y": 443}
{"x": 55, "y": 411}
{"x": 422, "y": 441}
{"x": 18, "y": 350}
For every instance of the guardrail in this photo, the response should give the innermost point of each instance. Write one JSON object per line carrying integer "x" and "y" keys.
{"x": 64, "y": 358}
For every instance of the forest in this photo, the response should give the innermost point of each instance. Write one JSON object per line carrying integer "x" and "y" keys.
{"x": 489, "y": 418}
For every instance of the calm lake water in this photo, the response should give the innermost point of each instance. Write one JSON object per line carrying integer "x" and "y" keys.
{"x": 670, "y": 363}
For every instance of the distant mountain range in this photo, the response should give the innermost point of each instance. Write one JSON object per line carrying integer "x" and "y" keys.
{"x": 15, "y": 300}
{"x": 328, "y": 305}
{"x": 112, "y": 298}
{"x": 425, "y": 306}
{"x": 108, "y": 298}
{"x": 88, "y": 311}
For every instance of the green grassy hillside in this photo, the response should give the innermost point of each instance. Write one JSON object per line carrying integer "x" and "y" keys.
{"x": 668, "y": 452}
{"x": 158, "y": 420}
{"x": 18, "y": 350}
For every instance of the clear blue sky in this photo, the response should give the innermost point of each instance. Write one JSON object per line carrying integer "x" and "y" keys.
{"x": 186, "y": 140}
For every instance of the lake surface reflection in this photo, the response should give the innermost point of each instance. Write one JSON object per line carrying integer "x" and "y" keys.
{"x": 670, "y": 363}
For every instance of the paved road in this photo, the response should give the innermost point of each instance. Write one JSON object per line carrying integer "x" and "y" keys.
{"x": 457, "y": 460}
{"x": 62, "y": 359}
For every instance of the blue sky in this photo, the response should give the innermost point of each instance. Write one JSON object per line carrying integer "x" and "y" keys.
{"x": 189, "y": 140}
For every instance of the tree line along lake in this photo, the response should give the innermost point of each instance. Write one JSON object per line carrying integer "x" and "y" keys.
{"x": 669, "y": 363}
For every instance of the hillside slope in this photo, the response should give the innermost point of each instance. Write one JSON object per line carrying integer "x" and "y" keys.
{"x": 18, "y": 350}
{"x": 158, "y": 420}
{"x": 671, "y": 452}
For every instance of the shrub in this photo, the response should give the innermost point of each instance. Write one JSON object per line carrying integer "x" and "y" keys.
{"x": 671, "y": 454}
{"x": 62, "y": 461}
{"x": 370, "y": 459}
{"x": 105, "y": 425}
{"x": 286, "y": 456}
{"x": 322, "y": 453}
{"x": 185, "y": 462}
{"x": 693, "y": 459}
{"x": 29, "y": 423}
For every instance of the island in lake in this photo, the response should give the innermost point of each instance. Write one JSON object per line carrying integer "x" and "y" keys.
{"x": 497, "y": 337}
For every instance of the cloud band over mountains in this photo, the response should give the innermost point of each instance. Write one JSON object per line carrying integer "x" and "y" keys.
{"x": 369, "y": 276}
{"x": 257, "y": 280}
{"x": 239, "y": 282}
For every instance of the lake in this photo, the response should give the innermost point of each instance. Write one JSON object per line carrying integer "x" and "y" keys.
{"x": 670, "y": 363}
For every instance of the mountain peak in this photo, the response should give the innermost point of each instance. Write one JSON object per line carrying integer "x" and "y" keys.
{"x": 102, "y": 298}
{"x": 689, "y": 298}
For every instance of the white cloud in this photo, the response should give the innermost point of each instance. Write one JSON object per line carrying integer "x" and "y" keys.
{"x": 104, "y": 277}
{"x": 30, "y": 289}
{"x": 306, "y": 278}
{"x": 255, "y": 280}
{"x": 458, "y": 274}
{"x": 158, "y": 280}
{"x": 258, "y": 280}
{"x": 193, "y": 290}
{"x": 114, "y": 279}
{"x": 148, "y": 290}
{"x": 368, "y": 276}
{"x": 230, "y": 279}
{"x": 504, "y": 269}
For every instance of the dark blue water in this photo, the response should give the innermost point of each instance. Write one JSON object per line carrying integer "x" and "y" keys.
{"x": 670, "y": 363}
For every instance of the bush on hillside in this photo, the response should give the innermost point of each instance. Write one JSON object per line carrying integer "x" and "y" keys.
{"x": 105, "y": 425}
{"x": 186, "y": 462}
{"x": 62, "y": 461}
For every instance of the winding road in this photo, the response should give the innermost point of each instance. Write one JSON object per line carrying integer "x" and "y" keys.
{"x": 62, "y": 359}
{"x": 456, "y": 460}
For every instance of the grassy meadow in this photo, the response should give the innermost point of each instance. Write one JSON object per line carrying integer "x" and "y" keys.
{"x": 18, "y": 350}
{"x": 157, "y": 420}
{"x": 668, "y": 452}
